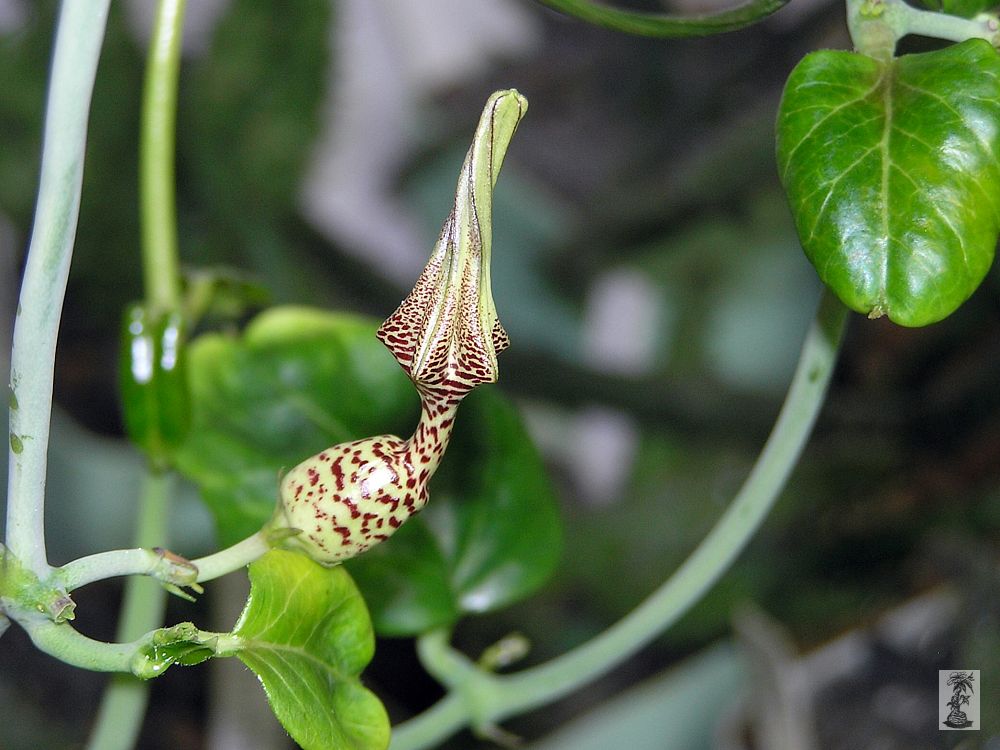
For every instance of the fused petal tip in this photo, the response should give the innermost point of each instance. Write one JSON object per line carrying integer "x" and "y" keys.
{"x": 446, "y": 334}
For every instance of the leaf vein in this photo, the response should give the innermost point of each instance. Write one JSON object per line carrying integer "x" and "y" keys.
{"x": 819, "y": 123}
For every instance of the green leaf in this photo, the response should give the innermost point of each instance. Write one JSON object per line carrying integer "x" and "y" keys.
{"x": 305, "y": 633}
{"x": 301, "y": 380}
{"x": 892, "y": 174}
{"x": 664, "y": 24}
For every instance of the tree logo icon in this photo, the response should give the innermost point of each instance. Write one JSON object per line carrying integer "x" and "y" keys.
{"x": 959, "y": 698}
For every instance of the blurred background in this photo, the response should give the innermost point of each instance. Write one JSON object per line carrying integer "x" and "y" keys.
{"x": 646, "y": 268}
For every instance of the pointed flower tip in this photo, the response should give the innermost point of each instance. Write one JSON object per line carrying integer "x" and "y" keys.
{"x": 446, "y": 334}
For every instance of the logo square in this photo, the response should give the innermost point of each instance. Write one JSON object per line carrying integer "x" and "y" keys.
{"x": 958, "y": 699}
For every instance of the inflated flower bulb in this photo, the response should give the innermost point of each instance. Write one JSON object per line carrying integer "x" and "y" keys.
{"x": 446, "y": 336}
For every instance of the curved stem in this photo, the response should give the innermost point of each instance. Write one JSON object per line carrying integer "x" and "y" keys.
{"x": 139, "y": 561}
{"x": 435, "y": 724}
{"x": 124, "y": 702}
{"x": 489, "y": 698}
{"x": 232, "y": 558}
{"x": 74, "y": 67}
{"x": 164, "y": 567}
{"x": 161, "y": 268}
{"x": 664, "y": 24}
{"x": 142, "y": 656}
{"x": 442, "y": 662}
{"x": 72, "y": 647}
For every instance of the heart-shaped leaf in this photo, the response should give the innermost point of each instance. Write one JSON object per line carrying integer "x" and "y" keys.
{"x": 305, "y": 633}
{"x": 299, "y": 381}
{"x": 891, "y": 168}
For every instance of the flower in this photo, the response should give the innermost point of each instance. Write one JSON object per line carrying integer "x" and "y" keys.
{"x": 446, "y": 335}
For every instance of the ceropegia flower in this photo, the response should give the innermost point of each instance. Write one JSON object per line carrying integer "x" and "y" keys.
{"x": 446, "y": 335}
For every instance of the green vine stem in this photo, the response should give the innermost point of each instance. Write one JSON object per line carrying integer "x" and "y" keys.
{"x": 161, "y": 565}
{"x": 232, "y": 558}
{"x": 482, "y": 699}
{"x": 72, "y": 647}
{"x": 160, "y": 264}
{"x": 74, "y": 67}
{"x": 666, "y": 24}
{"x": 139, "y": 561}
{"x": 139, "y": 656}
{"x": 124, "y": 703}
{"x": 877, "y": 25}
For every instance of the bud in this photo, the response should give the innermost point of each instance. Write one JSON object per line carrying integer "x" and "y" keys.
{"x": 446, "y": 335}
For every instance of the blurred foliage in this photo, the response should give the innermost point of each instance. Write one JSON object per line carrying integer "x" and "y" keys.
{"x": 252, "y": 109}
{"x": 656, "y": 715}
{"x": 301, "y": 380}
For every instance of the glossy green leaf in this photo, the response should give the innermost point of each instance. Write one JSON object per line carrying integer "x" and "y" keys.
{"x": 301, "y": 380}
{"x": 665, "y": 24}
{"x": 305, "y": 633}
{"x": 891, "y": 170}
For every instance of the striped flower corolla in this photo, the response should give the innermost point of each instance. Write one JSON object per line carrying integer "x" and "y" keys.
{"x": 446, "y": 335}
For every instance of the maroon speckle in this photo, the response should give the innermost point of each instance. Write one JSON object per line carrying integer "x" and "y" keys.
{"x": 388, "y": 500}
{"x": 338, "y": 474}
